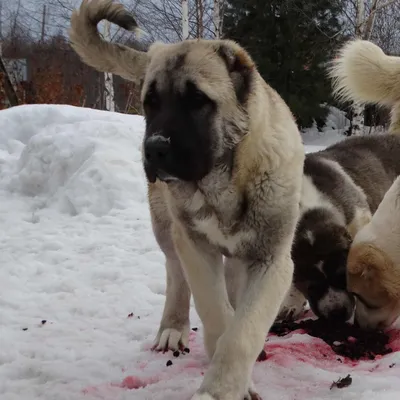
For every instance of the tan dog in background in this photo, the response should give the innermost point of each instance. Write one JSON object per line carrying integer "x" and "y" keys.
{"x": 364, "y": 73}
{"x": 373, "y": 265}
{"x": 224, "y": 161}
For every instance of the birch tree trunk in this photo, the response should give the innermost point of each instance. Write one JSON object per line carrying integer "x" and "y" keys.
{"x": 199, "y": 18}
{"x": 217, "y": 18}
{"x": 357, "y": 121}
{"x": 108, "y": 78}
{"x": 185, "y": 20}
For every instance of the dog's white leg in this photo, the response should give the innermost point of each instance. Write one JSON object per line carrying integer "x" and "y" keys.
{"x": 173, "y": 333}
{"x": 174, "y": 327}
{"x": 229, "y": 375}
{"x": 293, "y": 305}
{"x": 205, "y": 273}
{"x": 236, "y": 278}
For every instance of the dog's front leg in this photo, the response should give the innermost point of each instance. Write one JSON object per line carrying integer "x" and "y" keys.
{"x": 235, "y": 277}
{"x": 204, "y": 270}
{"x": 173, "y": 332}
{"x": 229, "y": 375}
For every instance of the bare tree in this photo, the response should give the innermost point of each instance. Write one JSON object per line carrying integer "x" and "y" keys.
{"x": 185, "y": 20}
{"x": 108, "y": 77}
{"x": 217, "y": 18}
{"x": 199, "y": 18}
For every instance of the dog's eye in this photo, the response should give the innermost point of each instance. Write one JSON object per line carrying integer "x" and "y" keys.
{"x": 151, "y": 100}
{"x": 196, "y": 98}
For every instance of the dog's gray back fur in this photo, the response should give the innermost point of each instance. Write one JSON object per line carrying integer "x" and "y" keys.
{"x": 372, "y": 163}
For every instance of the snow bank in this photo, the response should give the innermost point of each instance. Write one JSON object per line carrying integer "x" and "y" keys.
{"x": 82, "y": 281}
{"x": 332, "y": 132}
{"x": 74, "y": 160}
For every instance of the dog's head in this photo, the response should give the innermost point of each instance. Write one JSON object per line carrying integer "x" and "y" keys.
{"x": 194, "y": 93}
{"x": 194, "y": 99}
{"x": 373, "y": 279}
{"x": 319, "y": 254}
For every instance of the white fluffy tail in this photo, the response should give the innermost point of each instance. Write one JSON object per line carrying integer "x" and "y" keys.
{"x": 365, "y": 74}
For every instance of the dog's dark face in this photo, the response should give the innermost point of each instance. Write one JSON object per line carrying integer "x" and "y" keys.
{"x": 193, "y": 99}
{"x": 180, "y": 133}
{"x": 319, "y": 253}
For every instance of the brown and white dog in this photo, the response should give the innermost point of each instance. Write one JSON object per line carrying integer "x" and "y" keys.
{"x": 364, "y": 73}
{"x": 373, "y": 266}
{"x": 223, "y": 159}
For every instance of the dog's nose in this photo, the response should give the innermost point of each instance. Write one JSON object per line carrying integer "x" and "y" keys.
{"x": 156, "y": 149}
{"x": 341, "y": 314}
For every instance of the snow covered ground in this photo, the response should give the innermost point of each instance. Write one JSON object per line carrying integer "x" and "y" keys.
{"x": 82, "y": 281}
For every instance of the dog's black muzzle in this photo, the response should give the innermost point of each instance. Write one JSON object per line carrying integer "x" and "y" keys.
{"x": 157, "y": 158}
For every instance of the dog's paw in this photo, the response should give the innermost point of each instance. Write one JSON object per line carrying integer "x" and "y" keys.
{"x": 251, "y": 395}
{"x": 176, "y": 338}
{"x": 202, "y": 396}
{"x": 289, "y": 314}
{"x": 293, "y": 306}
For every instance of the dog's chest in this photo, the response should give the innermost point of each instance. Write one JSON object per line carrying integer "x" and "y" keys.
{"x": 219, "y": 217}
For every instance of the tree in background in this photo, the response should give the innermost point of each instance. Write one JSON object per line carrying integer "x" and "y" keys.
{"x": 291, "y": 41}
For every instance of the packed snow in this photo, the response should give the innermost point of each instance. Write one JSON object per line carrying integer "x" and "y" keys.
{"x": 82, "y": 281}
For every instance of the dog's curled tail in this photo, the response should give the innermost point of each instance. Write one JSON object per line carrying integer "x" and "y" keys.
{"x": 362, "y": 72}
{"x": 95, "y": 51}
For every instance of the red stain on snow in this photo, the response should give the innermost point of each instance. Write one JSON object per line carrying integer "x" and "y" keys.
{"x": 394, "y": 342}
{"x": 130, "y": 382}
{"x": 133, "y": 382}
{"x": 281, "y": 351}
{"x": 316, "y": 352}
{"x": 192, "y": 336}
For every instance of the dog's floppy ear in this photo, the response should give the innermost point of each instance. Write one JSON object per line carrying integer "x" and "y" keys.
{"x": 369, "y": 266}
{"x": 366, "y": 260}
{"x": 240, "y": 67}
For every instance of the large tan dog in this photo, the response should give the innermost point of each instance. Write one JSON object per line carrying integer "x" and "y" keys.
{"x": 365, "y": 74}
{"x": 224, "y": 162}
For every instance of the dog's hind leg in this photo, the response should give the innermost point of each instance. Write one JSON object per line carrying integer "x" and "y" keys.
{"x": 173, "y": 332}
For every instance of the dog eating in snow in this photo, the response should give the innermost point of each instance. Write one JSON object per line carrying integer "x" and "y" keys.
{"x": 364, "y": 73}
{"x": 343, "y": 186}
